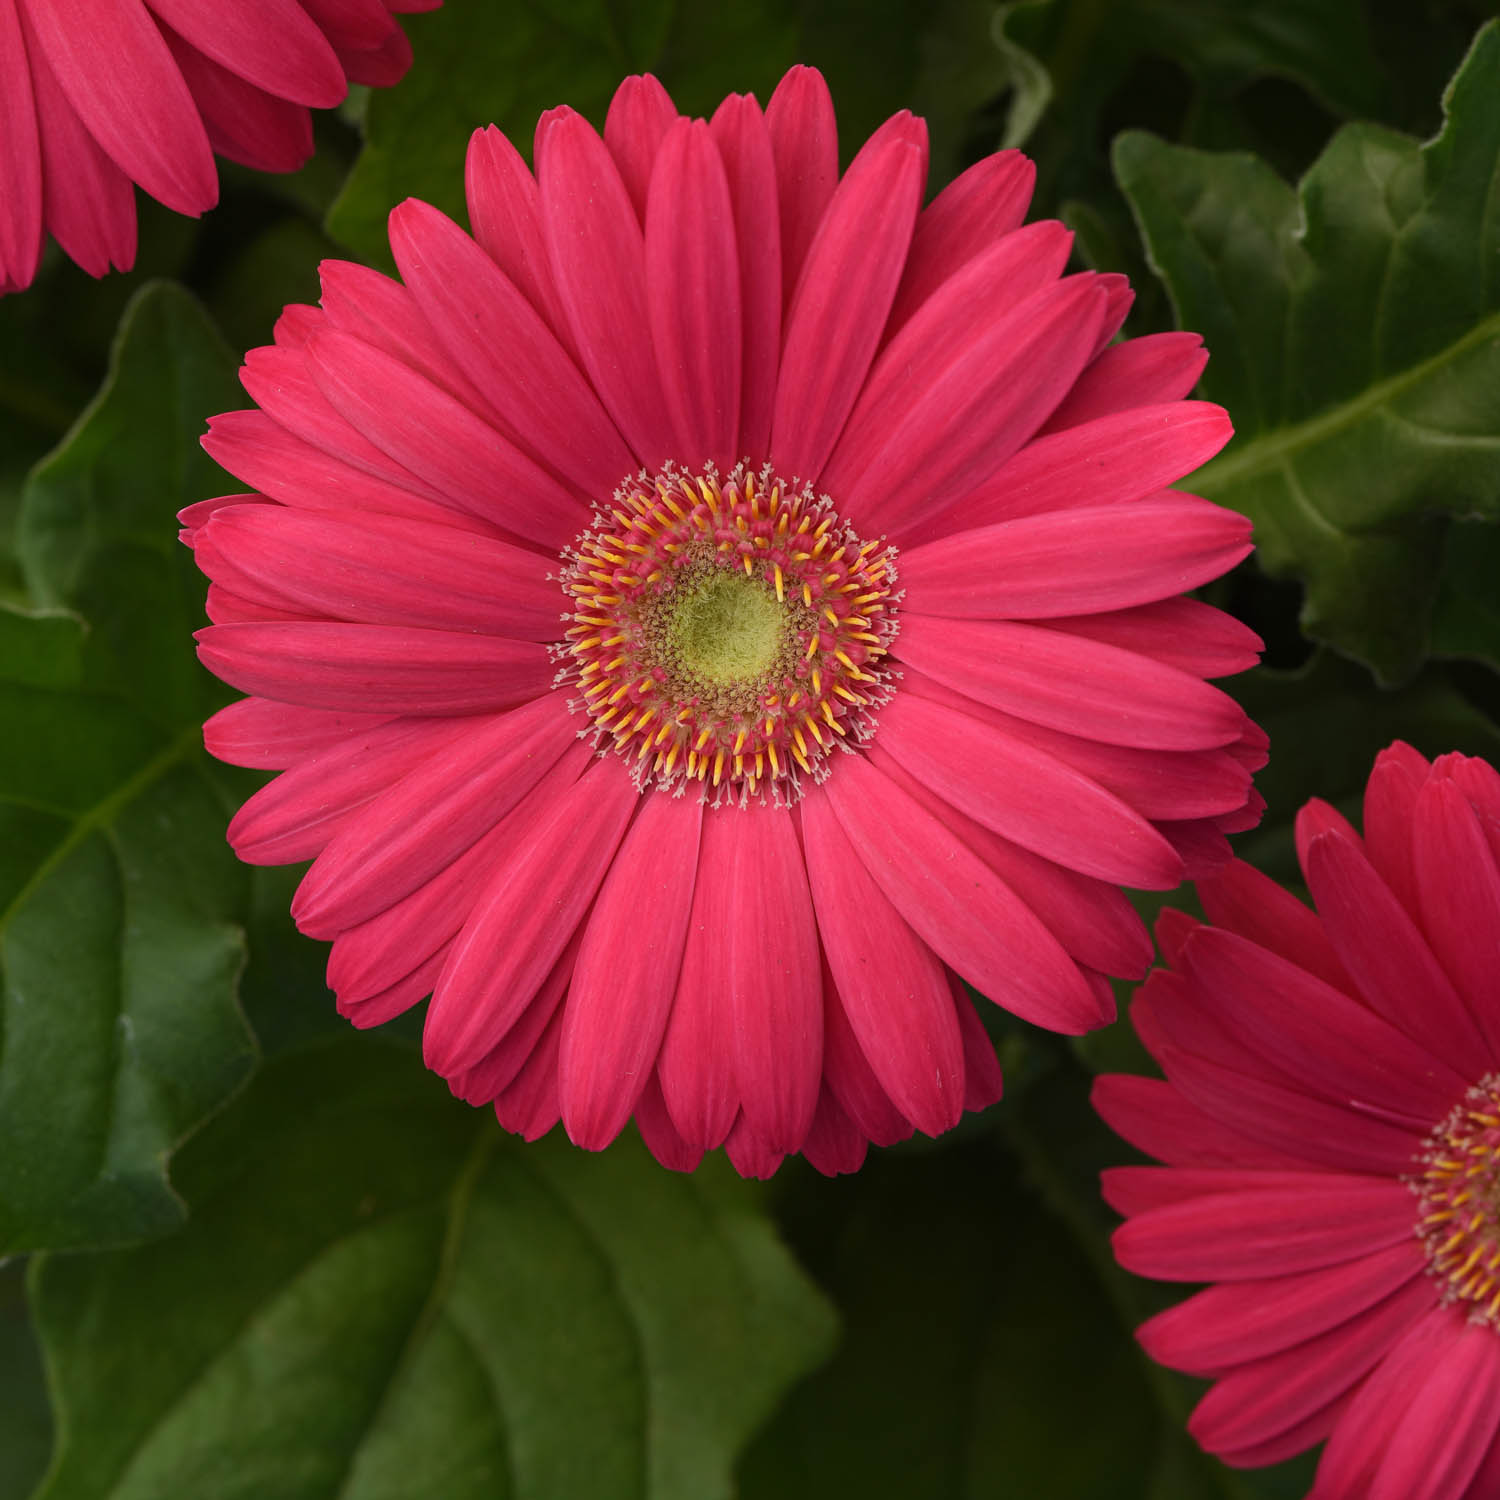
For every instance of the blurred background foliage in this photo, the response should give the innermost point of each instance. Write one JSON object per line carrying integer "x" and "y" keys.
{"x": 254, "y": 1255}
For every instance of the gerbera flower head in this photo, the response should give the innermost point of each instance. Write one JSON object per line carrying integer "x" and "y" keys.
{"x": 1330, "y": 1124}
{"x": 97, "y": 96}
{"x": 714, "y": 611}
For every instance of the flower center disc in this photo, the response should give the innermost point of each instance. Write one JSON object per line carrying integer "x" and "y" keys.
{"x": 729, "y": 633}
{"x": 1459, "y": 1189}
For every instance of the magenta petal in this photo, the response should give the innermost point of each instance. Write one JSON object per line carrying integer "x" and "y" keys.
{"x": 1182, "y": 633}
{"x": 983, "y": 1083}
{"x": 749, "y": 1154}
{"x": 1389, "y": 814}
{"x": 660, "y": 1134}
{"x": 739, "y": 131}
{"x": 834, "y": 1144}
{"x": 597, "y": 254}
{"x": 805, "y": 148}
{"x": 20, "y": 157}
{"x": 627, "y": 970}
{"x": 693, "y": 295}
{"x": 116, "y": 71}
{"x": 271, "y": 736}
{"x": 1140, "y": 372}
{"x": 356, "y": 24}
{"x": 1242, "y": 900}
{"x": 397, "y": 998}
{"x": 529, "y": 1106}
{"x": 894, "y": 990}
{"x": 640, "y": 115}
{"x": 835, "y": 320}
{"x": 851, "y": 1078}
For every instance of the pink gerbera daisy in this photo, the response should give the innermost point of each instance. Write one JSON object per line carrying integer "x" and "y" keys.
{"x": 97, "y": 95}
{"x": 1331, "y": 1120}
{"x": 713, "y": 612}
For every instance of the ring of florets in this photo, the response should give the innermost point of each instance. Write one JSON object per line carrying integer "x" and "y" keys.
{"x": 728, "y": 633}
{"x": 1458, "y": 1187}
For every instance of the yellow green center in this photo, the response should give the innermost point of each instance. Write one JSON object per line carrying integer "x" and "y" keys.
{"x": 727, "y": 628}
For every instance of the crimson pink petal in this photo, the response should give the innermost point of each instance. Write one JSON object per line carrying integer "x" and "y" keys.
{"x": 990, "y": 937}
{"x": 981, "y": 205}
{"x": 225, "y": 608}
{"x": 834, "y": 1143}
{"x": 597, "y": 253}
{"x": 851, "y": 1078}
{"x": 358, "y": 24}
{"x": 522, "y": 923}
{"x": 274, "y": 45}
{"x": 397, "y": 998}
{"x": 1390, "y": 805}
{"x": 983, "y": 1083}
{"x": 1026, "y": 796}
{"x": 432, "y": 817}
{"x": 739, "y": 131}
{"x": 627, "y": 970}
{"x": 749, "y": 1154}
{"x": 1075, "y": 562}
{"x": 659, "y": 1133}
{"x": 1137, "y": 1190}
{"x": 546, "y": 407}
{"x": 805, "y": 147}
{"x": 1140, "y": 372}
{"x": 378, "y": 67}
{"x": 21, "y": 145}
{"x": 529, "y": 1106}
{"x": 639, "y": 117}
{"x": 833, "y": 324}
{"x": 1184, "y": 633}
{"x": 693, "y": 295}
{"x": 894, "y": 991}
{"x": 271, "y": 736}
{"x": 116, "y": 71}
{"x": 1240, "y": 899}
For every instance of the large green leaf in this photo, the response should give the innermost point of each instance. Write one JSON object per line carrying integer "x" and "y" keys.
{"x": 119, "y": 900}
{"x": 1355, "y": 330}
{"x": 380, "y": 1295}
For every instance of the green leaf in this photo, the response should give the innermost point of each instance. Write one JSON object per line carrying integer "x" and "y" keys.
{"x": 1355, "y": 330}
{"x": 119, "y": 900}
{"x": 25, "y": 1420}
{"x": 380, "y": 1295}
{"x": 1466, "y": 617}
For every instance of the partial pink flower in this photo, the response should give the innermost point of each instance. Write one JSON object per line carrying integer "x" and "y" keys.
{"x": 713, "y": 613}
{"x": 1330, "y": 1121}
{"x": 99, "y": 95}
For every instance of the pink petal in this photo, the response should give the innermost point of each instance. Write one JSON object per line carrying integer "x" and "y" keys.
{"x": 739, "y": 131}
{"x": 693, "y": 294}
{"x": 523, "y": 921}
{"x": 1183, "y": 633}
{"x": 1139, "y": 372}
{"x": 356, "y": 24}
{"x": 1389, "y": 810}
{"x": 1315, "y": 817}
{"x": 378, "y": 67}
{"x": 1115, "y": 460}
{"x": 425, "y": 430}
{"x": 530, "y": 1105}
{"x": 20, "y": 157}
{"x": 546, "y": 407}
{"x": 274, "y": 45}
{"x": 1075, "y": 562}
{"x": 981, "y": 205}
{"x": 117, "y": 73}
{"x": 660, "y": 1134}
{"x": 1137, "y": 1190}
{"x": 377, "y": 668}
{"x": 597, "y": 254}
{"x": 894, "y": 991}
{"x": 1119, "y": 299}
{"x": 834, "y": 1144}
{"x": 1025, "y": 795}
{"x": 851, "y": 1078}
{"x": 833, "y": 324}
{"x": 749, "y": 1154}
{"x": 983, "y": 1084}
{"x": 380, "y": 570}
{"x": 1238, "y": 897}
{"x": 1238, "y": 1321}
{"x": 1239, "y": 1236}
{"x": 397, "y": 998}
{"x": 1383, "y": 953}
{"x": 989, "y": 936}
{"x": 805, "y": 147}
{"x": 226, "y": 608}
{"x": 432, "y": 817}
{"x": 640, "y": 115}
{"x": 271, "y": 736}
{"x": 627, "y": 970}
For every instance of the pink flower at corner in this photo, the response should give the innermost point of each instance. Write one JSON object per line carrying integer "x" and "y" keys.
{"x": 1331, "y": 1123}
{"x": 99, "y": 95}
{"x": 712, "y": 612}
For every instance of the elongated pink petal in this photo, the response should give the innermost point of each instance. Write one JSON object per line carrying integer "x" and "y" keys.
{"x": 274, "y": 45}
{"x": 271, "y": 736}
{"x": 1389, "y": 814}
{"x": 1025, "y": 795}
{"x": 739, "y": 131}
{"x": 377, "y": 668}
{"x": 894, "y": 991}
{"x": 1114, "y": 460}
{"x": 523, "y": 921}
{"x": 529, "y": 1106}
{"x": 851, "y": 1078}
{"x": 597, "y": 253}
{"x": 377, "y": 67}
{"x": 357, "y": 24}
{"x": 1075, "y": 562}
{"x": 834, "y": 322}
{"x": 113, "y": 65}
{"x": 1140, "y": 372}
{"x": 957, "y": 905}
{"x": 546, "y": 406}
{"x": 627, "y": 971}
{"x": 1137, "y": 1190}
{"x": 1238, "y": 897}
{"x": 20, "y": 156}
{"x": 983, "y": 1083}
{"x": 1069, "y": 683}
{"x": 1247, "y": 1234}
{"x": 752, "y": 1157}
{"x": 1227, "y": 1325}
{"x": 659, "y": 1133}
{"x": 805, "y": 148}
{"x": 639, "y": 117}
{"x": 442, "y": 442}
{"x": 693, "y": 294}
{"x": 1183, "y": 633}
{"x": 834, "y": 1143}
{"x": 432, "y": 817}
{"x": 981, "y": 205}
{"x": 397, "y": 998}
